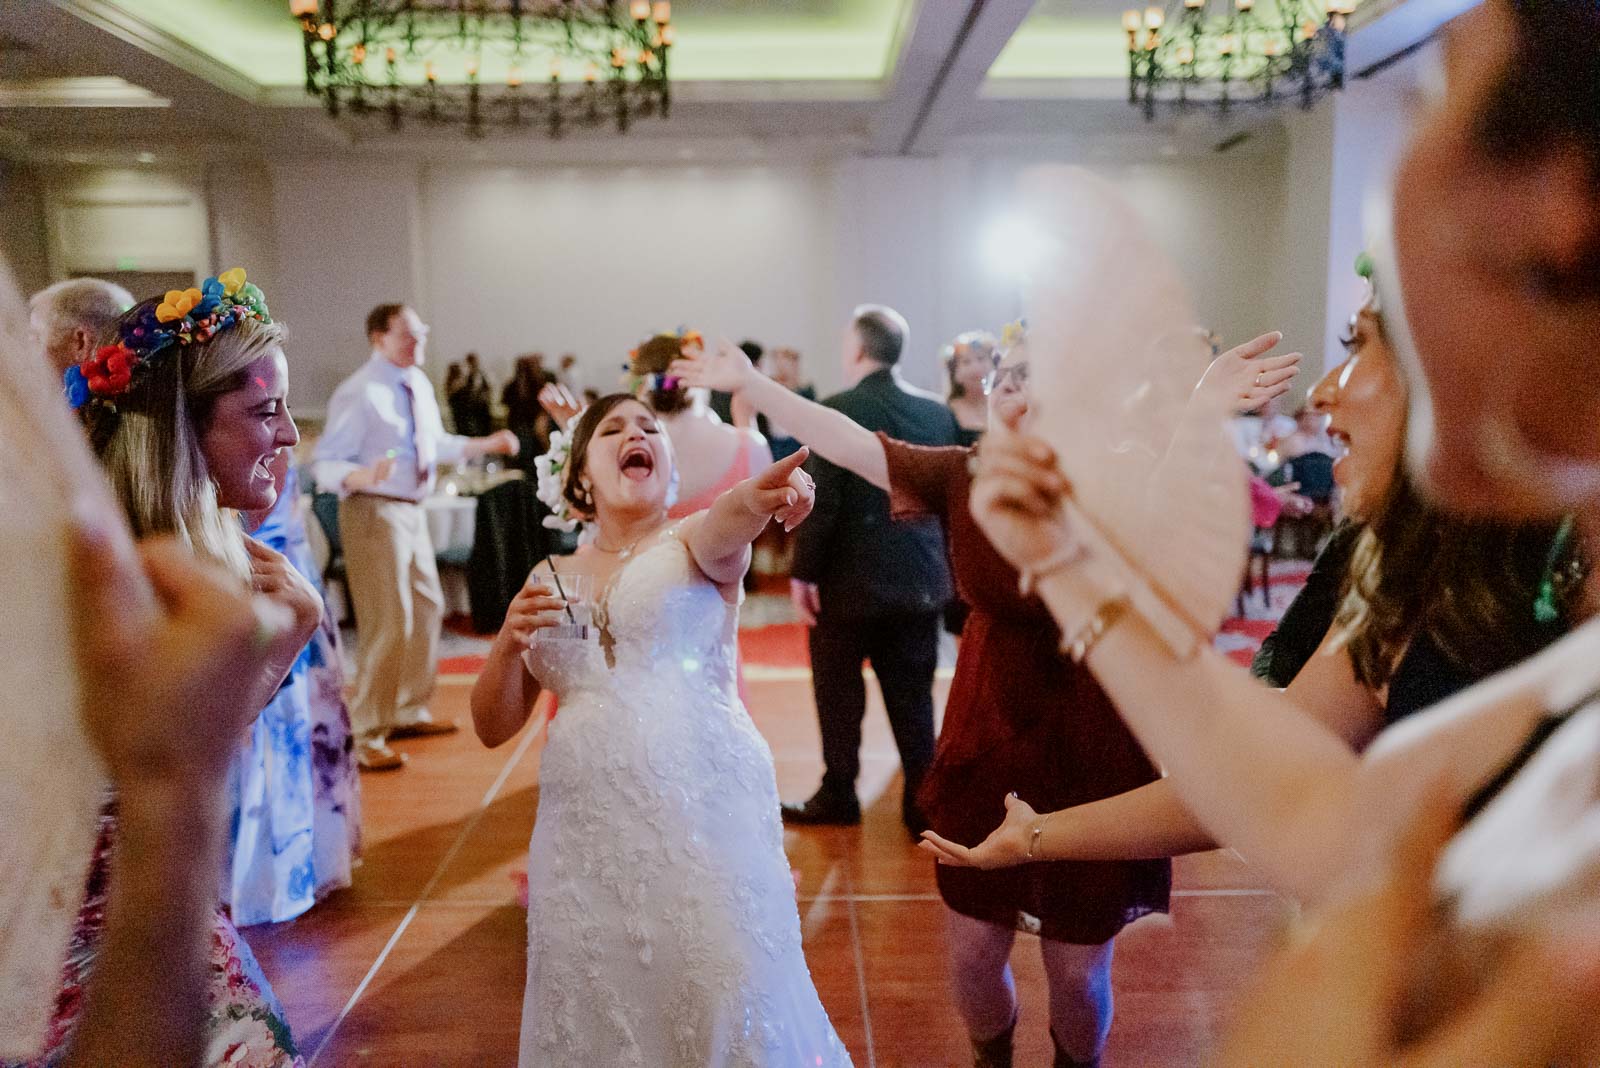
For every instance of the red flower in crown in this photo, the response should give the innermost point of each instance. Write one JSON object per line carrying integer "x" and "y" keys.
{"x": 109, "y": 371}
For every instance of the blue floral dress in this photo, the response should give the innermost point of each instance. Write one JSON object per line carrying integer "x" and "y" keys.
{"x": 296, "y": 812}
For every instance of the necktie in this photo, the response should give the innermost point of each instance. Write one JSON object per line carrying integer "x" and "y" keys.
{"x": 424, "y": 466}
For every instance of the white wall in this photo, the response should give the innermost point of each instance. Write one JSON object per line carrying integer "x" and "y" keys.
{"x": 591, "y": 259}
{"x": 1371, "y": 120}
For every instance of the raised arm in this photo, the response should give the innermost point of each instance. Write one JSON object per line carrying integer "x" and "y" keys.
{"x": 161, "y": 702}
{"x": 833, "y": 435}
{"x": 720, "y": 537}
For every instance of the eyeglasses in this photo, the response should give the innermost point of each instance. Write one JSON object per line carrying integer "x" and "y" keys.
{"x": 1016, "y": 374}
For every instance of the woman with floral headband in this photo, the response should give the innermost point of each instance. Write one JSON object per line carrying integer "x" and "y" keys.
{"x": 1019, "y": 717}
{"x": 185, "y": 407}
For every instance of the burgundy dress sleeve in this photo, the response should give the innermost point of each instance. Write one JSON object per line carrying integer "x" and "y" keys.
{"x": 922, "y": 477}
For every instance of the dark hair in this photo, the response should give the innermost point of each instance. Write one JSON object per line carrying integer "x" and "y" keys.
{"x": 1549, "y": 98}
{"x": 882, "y": 331}
{"x": 380, "y": 318}
{"x": 578, "y": 455}
{"x": 753, "y": 350}
{"x": 983, "y": 342}
{"x": 653, "y": 358}
{"x": 1469, "y": 585}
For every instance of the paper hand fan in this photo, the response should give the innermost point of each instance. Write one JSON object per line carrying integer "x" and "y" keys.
{"x": 51, "y": 784}
{"x": 1115, "y": 352}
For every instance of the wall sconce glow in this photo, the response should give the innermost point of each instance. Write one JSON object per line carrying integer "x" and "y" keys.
{"x": 1012, "y": 248}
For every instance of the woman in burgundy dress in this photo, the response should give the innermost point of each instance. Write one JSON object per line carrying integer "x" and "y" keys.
{"x": 1020, "y": 717}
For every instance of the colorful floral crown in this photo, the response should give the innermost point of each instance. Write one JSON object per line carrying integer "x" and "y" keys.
{"x": 183, "y": 317}
{"x": 1013, "y": 333}
{"x": 658, "y": 381}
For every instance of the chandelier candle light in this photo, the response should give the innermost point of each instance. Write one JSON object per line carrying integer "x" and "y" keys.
{"x": 1260, "y": 52}
{"x": 462, "y": 62}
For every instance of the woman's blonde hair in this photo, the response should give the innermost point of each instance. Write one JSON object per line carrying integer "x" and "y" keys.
{"x": 149, "y": 444}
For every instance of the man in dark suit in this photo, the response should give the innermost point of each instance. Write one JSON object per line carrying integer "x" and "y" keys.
{"x": 872, "y": 589}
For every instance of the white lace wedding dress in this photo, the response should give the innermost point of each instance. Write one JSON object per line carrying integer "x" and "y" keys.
{"x": 662, "y": 925}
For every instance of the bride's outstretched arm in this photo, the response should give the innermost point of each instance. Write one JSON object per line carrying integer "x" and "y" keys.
{"x": 503, "y": 696}
{"x": 833, "y": 435}
{"x": 720, "y": 537}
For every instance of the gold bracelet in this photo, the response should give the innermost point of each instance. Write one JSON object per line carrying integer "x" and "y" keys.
{"x": 1108, "y": 615}
{"x": 1038, "y": 830}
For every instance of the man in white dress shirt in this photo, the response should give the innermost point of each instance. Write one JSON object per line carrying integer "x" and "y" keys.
{"x": 380, "y": 452}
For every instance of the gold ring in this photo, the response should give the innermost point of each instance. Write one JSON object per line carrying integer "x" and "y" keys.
{"x": 1258, "y": 380}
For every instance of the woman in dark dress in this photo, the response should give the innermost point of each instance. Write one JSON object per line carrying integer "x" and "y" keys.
{"x": 1404, "y": 607}
{"x": 1019, "y": 717}
{"x": 525, "y": 416}
{"x": 968, "y": 361}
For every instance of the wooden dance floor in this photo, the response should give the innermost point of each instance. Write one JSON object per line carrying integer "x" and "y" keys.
{"x": 421, "y": 962}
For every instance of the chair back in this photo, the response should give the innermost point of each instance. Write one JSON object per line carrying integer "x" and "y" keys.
{"x": 325, "y": 506}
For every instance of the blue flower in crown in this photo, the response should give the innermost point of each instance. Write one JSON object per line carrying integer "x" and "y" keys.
{"x": 77, "y": 387}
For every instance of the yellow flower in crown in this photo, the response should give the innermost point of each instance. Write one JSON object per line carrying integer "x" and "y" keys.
{"x": 177, "y": 304}
{"x": 232, "y": 281}
{"x": 1013, "y": 333}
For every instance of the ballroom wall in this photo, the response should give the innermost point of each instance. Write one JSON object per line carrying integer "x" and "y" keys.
{"x": 588, "y": 259}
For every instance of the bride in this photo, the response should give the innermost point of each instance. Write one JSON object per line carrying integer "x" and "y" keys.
{"x": 662, "y": 926}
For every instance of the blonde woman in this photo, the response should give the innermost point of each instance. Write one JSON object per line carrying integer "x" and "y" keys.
{"x": 185, "y": 407}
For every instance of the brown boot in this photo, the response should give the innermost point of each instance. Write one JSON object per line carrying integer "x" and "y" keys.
{"x": 996, "y": 1052}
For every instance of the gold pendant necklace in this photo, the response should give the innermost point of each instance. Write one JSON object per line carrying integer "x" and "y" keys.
{"x": 602, "y": 606}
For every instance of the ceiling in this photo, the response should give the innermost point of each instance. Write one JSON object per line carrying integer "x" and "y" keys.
{"x": 112, "y": 79}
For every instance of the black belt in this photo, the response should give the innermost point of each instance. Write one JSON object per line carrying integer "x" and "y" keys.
{"x": 387, "y": 497}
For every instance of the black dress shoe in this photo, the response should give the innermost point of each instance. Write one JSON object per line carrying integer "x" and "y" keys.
{"x": 824, "y": 810}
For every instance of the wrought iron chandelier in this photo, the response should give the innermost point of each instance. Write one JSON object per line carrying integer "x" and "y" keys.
{"x": 489, "y": 63}
{"x": 1187, "y": 55}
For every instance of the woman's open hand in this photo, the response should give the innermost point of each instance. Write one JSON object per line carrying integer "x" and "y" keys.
{"x": 1007, "y": 847}
{"x": 724, "y": 367}
{"x": 1248, "y": 377}
{"x": 560, "y": 404}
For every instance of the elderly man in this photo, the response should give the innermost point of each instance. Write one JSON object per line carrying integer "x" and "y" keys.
{"x": 67, "y": 319}
{"x": 380, "y": 452}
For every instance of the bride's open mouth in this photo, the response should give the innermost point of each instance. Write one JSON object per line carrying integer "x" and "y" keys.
{"x": 637, "y": 462}
{"x": 263, "y": 467}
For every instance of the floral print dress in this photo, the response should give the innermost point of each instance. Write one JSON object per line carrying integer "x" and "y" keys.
{"x": 245, "y": 1025}
{"x": 295, "y": 818}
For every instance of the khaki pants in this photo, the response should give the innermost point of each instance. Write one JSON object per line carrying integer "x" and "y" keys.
{"x": 394, "y": 584}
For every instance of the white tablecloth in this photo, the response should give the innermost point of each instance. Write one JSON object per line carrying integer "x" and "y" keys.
{"x": 452, "y": 520}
